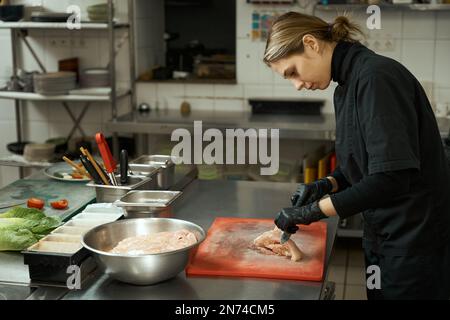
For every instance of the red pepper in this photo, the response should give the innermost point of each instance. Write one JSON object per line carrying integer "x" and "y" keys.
{"x": 35, "y": 203}
{"x": 60, "y": 205}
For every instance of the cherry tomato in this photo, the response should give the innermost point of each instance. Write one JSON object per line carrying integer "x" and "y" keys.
{"x": 35, "y": 203}
{"x": 60, "y": 205}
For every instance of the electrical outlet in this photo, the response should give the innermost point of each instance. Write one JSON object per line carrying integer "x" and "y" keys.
{"x": 380, "y": 45}
{"x": 64, "y": 43}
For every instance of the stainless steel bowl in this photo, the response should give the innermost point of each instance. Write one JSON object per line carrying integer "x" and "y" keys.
{"x": 140, "y": 269}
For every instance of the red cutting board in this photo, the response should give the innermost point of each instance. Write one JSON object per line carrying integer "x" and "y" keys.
{"x": 226, "y": 252}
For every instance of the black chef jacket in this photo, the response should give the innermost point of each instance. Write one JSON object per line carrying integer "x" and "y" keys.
{"x": 384, "y": 122}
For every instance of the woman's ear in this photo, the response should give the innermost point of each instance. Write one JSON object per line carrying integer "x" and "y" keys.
{"x": 309, "y": 41}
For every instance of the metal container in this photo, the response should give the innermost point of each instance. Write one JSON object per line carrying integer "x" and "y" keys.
{"x": 107, "y": 194}
{"x": 166, "y": 174}
{"x": 146, "y": 171}
{"x": 145, "y": 204}
{"x": 139, "y": 269}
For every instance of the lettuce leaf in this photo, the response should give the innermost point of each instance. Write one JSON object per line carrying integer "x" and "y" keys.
{"x": 22, "y": 227}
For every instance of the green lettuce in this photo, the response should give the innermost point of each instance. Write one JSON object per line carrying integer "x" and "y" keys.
{"x": 22, "y": 227}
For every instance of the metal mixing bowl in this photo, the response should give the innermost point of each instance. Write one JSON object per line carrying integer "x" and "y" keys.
{"x": 140, "y": 269}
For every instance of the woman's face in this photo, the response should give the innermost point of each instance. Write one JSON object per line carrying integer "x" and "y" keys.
{"x": 310, "y": 69}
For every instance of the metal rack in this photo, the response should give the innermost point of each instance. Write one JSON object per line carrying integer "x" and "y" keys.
{"x": 19, "y": 30}
{"x": 384, "y": 5}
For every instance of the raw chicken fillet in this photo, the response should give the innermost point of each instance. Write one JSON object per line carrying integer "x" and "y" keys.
{"x": 156, "y": 243}
{"x": 269, "y": 243}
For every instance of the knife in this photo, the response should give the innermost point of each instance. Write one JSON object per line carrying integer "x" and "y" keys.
{"x": 91, "y": 170}
{"x": 285, "y": 237}
{"x": 124, "y": 167}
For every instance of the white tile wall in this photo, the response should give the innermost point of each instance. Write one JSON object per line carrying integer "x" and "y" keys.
{"x": 415, "y": 51}
{"x": 228, "y": 91}
{"x": 443, "y": 25}
{"x": 442, "y": 65}
{"x": 419, "y": 25}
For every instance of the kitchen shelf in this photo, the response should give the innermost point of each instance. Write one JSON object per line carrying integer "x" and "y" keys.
{"x": 58, "y": 25}
{"x": 192, "y": 81}
{"x": 363, "y": 6}
{"x": 30, "y": 96}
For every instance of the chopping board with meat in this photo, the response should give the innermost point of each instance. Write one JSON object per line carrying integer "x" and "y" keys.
{"x": 230, "y": 249}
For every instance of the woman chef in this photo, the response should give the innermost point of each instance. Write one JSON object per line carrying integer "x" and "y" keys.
{"x": 392, "y": 165}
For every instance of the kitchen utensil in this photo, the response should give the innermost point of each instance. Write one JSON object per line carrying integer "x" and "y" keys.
{"x": 39, "y": 152}
{"x": 10, "y": 13}
{"x": 144, "y": 269}
{"x": 111, "y": 193}
{"x": 226, "y": 252}
{"x": 123, "y": 167}
{"x": 90, "y": 169}
{"x": 97, "y": 168}
{"x": 108, "y": 160}
{"x": 166, "y": 175}
{"x": 148, "y": 203}
{"x": 74, "y": 165}
{"x": 285, "y": 237}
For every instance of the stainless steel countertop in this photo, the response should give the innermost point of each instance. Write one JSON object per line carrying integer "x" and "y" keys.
{"x": 321, "y": 127}
{"x": 201, "y": 203}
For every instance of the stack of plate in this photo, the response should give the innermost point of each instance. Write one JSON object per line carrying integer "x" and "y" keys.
{"x": 56, "y": 83}
{"x": 94, "y": 78}
{"x": 98, "y": 12}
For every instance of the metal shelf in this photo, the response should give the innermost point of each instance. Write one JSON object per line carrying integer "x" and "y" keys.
{"x": 363, "y": 6}
{"x": 30, "y": 96}
{"x": 59, "y": 25}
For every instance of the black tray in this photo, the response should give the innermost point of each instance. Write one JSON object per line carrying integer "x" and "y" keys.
{"x": 52, "y": 267}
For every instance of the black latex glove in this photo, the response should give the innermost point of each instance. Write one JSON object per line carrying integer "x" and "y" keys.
{"x": 308, "y": 193}
{"x": 288, "y": 218}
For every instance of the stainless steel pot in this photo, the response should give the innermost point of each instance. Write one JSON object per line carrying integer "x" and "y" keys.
{"x": 140, "y": 269}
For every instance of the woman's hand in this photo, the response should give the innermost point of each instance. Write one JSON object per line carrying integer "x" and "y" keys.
{"x": 308, "y": 193}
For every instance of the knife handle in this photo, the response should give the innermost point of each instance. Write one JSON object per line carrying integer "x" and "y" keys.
{"x": 124, "y": 167}
{"x": 108, "y": 159}
{"x": 91, "y": 170}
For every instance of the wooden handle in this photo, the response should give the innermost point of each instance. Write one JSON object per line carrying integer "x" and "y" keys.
{"x": 74, "y": 165}
{"x": 95, "y": 165}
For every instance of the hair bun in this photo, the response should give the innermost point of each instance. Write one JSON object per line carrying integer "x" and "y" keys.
{"x": 341, "y": 28}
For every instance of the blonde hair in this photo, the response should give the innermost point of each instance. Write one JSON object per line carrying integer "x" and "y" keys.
{"x": 287, "y": 32}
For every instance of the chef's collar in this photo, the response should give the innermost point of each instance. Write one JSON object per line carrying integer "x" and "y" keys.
{"x": 341, "y": 60}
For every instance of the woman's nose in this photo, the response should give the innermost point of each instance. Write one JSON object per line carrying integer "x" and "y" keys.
{"x": 298, "y": 84}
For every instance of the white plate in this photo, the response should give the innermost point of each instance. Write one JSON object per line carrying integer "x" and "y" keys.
{"x": 61, "y": 168}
